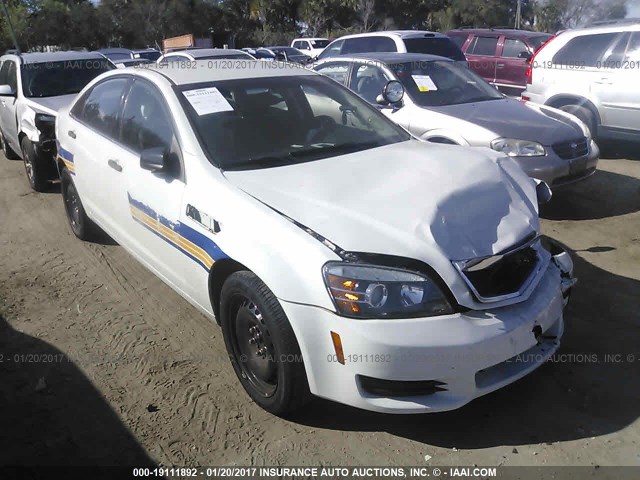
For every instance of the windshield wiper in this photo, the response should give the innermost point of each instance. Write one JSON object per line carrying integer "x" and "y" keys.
{"x": 483, "y": 99}
{"x": 261, "y": 162}
{"x": 342, "y": 148}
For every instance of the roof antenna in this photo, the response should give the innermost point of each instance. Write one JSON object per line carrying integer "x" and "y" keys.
{"x": 11, "y": 31}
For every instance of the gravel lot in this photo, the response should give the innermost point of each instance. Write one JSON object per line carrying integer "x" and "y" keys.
{"x": 104, "y": 364}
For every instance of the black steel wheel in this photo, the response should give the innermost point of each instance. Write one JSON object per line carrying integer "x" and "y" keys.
{"x": 261, "y": 344}
{"x": 80, "y": 223}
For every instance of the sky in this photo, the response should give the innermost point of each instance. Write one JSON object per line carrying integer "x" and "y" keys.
{"x": 633, "y": 9}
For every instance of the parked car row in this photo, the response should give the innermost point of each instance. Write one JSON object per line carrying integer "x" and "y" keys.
{"x": 342, "y": 255}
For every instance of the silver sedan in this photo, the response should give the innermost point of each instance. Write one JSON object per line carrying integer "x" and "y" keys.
{"x": 441, "y": 101}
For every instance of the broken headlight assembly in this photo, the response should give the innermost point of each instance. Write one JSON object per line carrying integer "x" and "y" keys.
{"x": 376, "y": 292}
{"x": 46, "y": 125}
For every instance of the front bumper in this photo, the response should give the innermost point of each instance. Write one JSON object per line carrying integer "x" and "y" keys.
{"x": 467, "y": 355}
{"x": 556, "y": 171}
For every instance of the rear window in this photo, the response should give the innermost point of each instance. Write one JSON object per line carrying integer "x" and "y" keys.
{"x": 584, "y": 51}
{"x": 441, "y": 46}
{"x": 458, "y": 39}
{"x": 368, "y": 44}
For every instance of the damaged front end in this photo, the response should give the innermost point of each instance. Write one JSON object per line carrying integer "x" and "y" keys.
{"x": 562, "y": 260}
{"x": 46, "y": 126}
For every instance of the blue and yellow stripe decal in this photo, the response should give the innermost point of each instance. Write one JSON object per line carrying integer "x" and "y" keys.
{"x": 190, "y": 242}
{"x": 67, "y": 158}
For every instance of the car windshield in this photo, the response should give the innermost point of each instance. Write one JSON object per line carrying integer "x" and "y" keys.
{"x": 441, "y": 46}
{"x": 537, "y": 42}
{"x": 439, "y": 83}
{"x": 258, "y": 123}
{"x": 320, "y": 43}
{"x": 52, "y": 79}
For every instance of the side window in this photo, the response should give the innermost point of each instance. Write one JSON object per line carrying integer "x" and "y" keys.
{"x": 337, "y": 71}
{"x": 332, "y": 50}
{"x": 368, "y": 82}
{"x": 633, "y": 50}
{"x": 9, "y": 75}
{"x": 145, "y": 119}
{"x": 484, "y": 46}
{"x": 585, "y": 50}
{"x": 4, "y": 70}
{"x": 369, "y": 44}
{"x": 101, "y": 110}
{"x": 513, "y": 48}
{"x": 616, "y": 52}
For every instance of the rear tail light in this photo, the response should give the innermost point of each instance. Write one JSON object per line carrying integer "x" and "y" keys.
{"x": 531, "y": 63}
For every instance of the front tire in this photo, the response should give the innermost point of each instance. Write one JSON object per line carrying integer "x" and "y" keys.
{"x": 261, "y": 344}
{"x": 37, "y": 172}
{"x": 81, "y": 225}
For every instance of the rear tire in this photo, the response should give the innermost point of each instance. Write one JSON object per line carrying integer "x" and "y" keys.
{"x": 585, "y": 115}
{"x": 8, "y": 151}
{"x": 37, "y": 172}
{"x": 261, "y": 344}
{"x": 81, "y": 225}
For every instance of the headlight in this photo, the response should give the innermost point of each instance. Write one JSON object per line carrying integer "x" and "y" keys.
{"x": 369, "y": 291}
{"x": 518, "y": 148}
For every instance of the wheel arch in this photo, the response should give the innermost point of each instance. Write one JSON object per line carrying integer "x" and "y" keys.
{"x": 562, "y": 100}
{"x": 220, "y": 271}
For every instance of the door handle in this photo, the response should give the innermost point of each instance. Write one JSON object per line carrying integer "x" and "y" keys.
{"x": 72, "y": 134}
{"x": 500, "y": 66}
{"x": 604, "y": 81}
{"x": 115, "y": 165}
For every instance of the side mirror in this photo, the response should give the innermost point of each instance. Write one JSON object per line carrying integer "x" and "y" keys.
{"x": 543, "y": 192}
{"x": 392, "y": 93}
{"x": 6, "y": 91}
{"x": 525, "y": 55}
{"x": 154, "y": 159}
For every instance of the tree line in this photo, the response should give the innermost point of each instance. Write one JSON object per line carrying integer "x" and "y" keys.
{"x": 141, "y": 23}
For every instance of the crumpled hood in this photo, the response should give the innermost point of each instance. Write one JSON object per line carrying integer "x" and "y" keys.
{"x": 411, "y": 199}
{"x": 50, "y": 105}
{"x": 510, "y": 118}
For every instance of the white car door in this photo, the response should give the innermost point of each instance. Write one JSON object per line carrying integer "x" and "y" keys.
{"x": 617, "y": 85}
{"x": 154, "y": 201}
{"x": 92, "y": 154}
{"x": 8, "y": 121}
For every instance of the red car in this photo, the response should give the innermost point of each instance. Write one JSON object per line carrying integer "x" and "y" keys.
{"x": 500, "y": 56}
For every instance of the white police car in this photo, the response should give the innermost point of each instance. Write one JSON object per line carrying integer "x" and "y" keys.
{"x": 341, "y": 256}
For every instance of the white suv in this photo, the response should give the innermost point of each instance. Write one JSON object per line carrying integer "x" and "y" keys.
{"x": 33, "y": 87}
{"x": 403, "y": 41}
{"x": 593, "y": 73}
{"x": 310, "y": 46}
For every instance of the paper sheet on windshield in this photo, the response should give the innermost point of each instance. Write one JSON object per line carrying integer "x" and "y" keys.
{"x": 424, "y": 83}
{"x": 207, "y": 100}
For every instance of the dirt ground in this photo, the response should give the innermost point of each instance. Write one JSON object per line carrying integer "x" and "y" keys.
{"x": 101, "y": 363}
